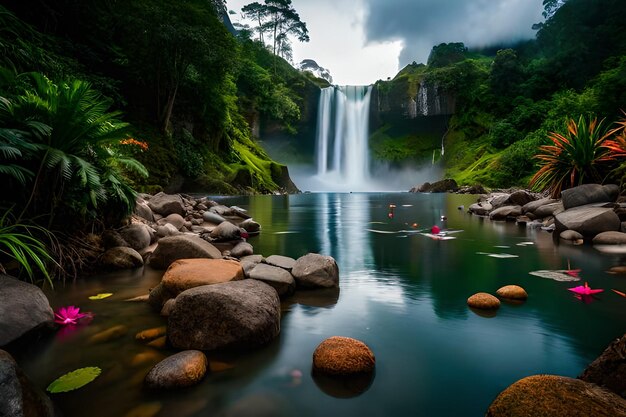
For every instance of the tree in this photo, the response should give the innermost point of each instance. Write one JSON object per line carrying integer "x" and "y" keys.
{"x": 446, "y": 54}
{"x": 259, "y": 13}
{"x": 279, "y": 20}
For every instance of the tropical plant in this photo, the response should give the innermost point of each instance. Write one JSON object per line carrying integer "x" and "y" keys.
{"x": 73, "y": 144}
{"x": 21, "y": 243}
{"x": 580, "y": 155}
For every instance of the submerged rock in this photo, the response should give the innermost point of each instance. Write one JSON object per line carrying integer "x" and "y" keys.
{"x": 550, "y": 395}
{"x": 343, "y": 356}
{"x": 483, "y": 301}
{"x": 512, "y": 292}
{"x": 181, "y": 370}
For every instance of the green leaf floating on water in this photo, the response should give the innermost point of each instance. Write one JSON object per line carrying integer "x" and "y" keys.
{"x": 74, "y": 380}
{"x": 101, "y": 296}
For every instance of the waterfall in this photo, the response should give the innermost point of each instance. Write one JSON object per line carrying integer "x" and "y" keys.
{"x": 422, "y": 99}
{"x": 342, "y": 137}
{"x": 323, "y": 125}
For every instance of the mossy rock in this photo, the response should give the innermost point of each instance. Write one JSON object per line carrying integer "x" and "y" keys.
{"x": 550, "y": 395}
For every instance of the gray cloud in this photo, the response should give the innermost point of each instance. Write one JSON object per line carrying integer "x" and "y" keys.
{"x": 421, "y": 24}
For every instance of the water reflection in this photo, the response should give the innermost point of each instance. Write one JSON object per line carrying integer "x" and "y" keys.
{"x": 402, "y": 293}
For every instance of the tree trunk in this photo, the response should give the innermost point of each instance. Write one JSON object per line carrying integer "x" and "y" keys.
{"x": 169, "y": 107}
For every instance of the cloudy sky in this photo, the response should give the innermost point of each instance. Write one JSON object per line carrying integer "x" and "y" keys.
{"x": 361, "y": 41}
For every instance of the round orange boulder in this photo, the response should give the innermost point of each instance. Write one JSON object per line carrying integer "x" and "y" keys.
{"x": 512, "y": 292}
{"x": 483, "y": 301}
{"x": 343, "y": 356}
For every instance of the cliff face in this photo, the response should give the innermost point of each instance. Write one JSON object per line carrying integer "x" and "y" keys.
{"x": 408, "y": 118}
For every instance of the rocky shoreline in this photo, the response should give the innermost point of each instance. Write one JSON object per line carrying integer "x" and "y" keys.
{"x": 216, "y": 294}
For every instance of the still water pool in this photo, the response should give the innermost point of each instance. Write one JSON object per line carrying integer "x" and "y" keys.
{"x": 402, "y": 293}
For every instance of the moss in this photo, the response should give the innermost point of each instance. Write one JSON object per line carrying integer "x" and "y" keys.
{"x": 408, "y": 147}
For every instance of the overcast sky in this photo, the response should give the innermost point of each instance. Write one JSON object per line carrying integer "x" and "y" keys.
{"x": 361, "y": 41}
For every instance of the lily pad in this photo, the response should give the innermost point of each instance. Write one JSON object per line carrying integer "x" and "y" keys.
{"x": 74, "y": 380}
{"x": 557, "y": 275}
{"x": 101, "y": 296}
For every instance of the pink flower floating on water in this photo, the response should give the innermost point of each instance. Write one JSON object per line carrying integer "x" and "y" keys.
{"x": 69, "y": 315}
{"x": 584, "y": 290}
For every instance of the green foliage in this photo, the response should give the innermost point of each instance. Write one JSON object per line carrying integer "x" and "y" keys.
{"x": 22, "y": 243}
{"x": 189, "y": 155}
{"x": 408, "y": 148}
{"x": 503, "y": 134}
{"x": 578, "y": 155}
{"x": 73, "y": 145}
{"x": 446, "y": 54}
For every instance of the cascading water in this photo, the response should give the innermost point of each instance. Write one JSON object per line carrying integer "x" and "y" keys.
{"x": 342, "y": 137}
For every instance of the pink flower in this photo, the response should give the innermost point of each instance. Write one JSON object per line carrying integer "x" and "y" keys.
{"x": 584, "y": 290}
{"x": 68, "y": 315}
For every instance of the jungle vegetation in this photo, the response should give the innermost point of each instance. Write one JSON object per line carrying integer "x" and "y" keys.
{"x": 102, "y": 99}
{"x": 514, "y": 101}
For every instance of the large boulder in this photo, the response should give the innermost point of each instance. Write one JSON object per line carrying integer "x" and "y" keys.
{"x": 587, "y": 220}
{"x": 121, "y": 258}
{"x": 316, "y": 271}
{"x": 609, "y": 369}
{"x": 23, "y": 309}
{"x": 506, "y": 212}
{"x": 184, "y": 274}
{"x": 281, "y": 280}
{"x": 173, "y": 248}
{"x": 520, "y": 198}
{"x": 181, "y": 370}
{"x": 18, "y": 396}
{"x": 548, "y": 210}
{"x": 142, "y": 209}
{"x": 534, "y": 205}
{"x": 550, "y": 395}
{"x": 499, "y": 199}
{"x": 234, "y": 315}
{"x": 136, "y": 235}
{"x": 587, "y": 194}
{"x": 166, "y": 204}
